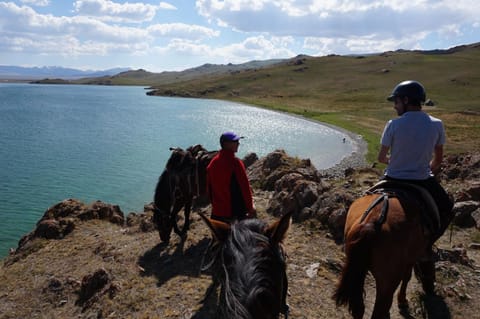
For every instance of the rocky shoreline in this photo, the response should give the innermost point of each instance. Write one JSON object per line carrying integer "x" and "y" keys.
{"x": 353, "y": 161}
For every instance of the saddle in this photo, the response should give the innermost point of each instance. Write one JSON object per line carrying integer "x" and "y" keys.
{"x": 430, "y": 215}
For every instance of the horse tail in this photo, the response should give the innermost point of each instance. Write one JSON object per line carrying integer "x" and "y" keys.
{"x": 350, "y": 289}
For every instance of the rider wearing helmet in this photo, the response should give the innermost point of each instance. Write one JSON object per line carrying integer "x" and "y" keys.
{"x": 412, "y": 89}
{"x": 412, "y": 146}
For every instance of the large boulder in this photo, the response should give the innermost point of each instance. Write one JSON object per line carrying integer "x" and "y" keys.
{"x": 98, "y": 283}
{"x": 463, "y": 213}
{"x": 76, "y": 209}
{"x": 249, "y": 159}
{"x": 462, "y": 166}
{"x": 265, "y": 172}
{"x": 100, "y": 210}
{"x": 54, "y": 229}
{"x": 296, "y": 183}
{"x": 60, "y": 220}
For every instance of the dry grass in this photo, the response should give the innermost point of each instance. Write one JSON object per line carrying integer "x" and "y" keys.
{"x": 153, "y": 280}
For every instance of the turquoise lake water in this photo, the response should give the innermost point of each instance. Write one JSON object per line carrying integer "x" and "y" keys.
{"x": 111, "y": 144}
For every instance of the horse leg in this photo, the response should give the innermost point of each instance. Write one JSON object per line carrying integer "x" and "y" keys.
{"x": 173, "y": 216}
{"x": 186, "y": 223}
{"x": 381, "y": 309}
{"x": 425, "y": 271}
{"x": 385, "y": 289}
{"x": 402, "y": 293}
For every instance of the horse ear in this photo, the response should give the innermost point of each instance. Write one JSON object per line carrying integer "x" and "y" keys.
{"x": 278, "y": 230}
{"x": 220, "y": 230}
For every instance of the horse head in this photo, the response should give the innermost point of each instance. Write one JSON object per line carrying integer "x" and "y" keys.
{"x": 163, "y": 207}
{"x": 252, "y": 264}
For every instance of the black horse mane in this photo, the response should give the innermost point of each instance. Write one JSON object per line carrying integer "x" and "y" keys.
{"x": 253, "y": 270}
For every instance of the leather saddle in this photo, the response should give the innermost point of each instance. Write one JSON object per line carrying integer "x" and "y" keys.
{"x": 402, "y": 190}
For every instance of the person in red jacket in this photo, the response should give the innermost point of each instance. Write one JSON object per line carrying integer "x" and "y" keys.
{"x": 228, "y": 185}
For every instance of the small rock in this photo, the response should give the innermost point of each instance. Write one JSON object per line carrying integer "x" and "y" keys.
{"x": 312, "y": 270}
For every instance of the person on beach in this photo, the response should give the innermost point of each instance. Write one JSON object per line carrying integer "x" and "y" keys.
{"x": 412, "y": 147}
{"x": 228, "y": 186}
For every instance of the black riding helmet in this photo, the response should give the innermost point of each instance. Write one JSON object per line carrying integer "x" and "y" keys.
{"x": 411, "y": 89}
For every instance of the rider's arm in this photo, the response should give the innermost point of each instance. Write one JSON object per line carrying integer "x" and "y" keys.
{"x": 436, "y": 162}
{"x": 382, "y": 154}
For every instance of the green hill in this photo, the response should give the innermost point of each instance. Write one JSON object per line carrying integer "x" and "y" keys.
{"x": 350, "y": 91}
{"x": 143, "y": 77}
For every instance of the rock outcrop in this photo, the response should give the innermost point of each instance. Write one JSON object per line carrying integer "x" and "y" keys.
{"x": 60, "y": 220}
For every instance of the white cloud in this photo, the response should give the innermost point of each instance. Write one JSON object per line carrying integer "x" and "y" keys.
{"x": 166, "y": 6}
{"x": 182, "y": 31}
{"x": 360, "y": 45}
{"x": 340, "y": 18}
{"x": 256, "y": 48}
{"x": 48, "y": 34}
{"x": 38, "y": 3}
{"x": 119, "y": 12}
{"x": 252, "y": 48}
{"x": 23, "y": 21}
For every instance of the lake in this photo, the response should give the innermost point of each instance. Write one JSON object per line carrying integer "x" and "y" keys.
{"x": 111, "y": 144}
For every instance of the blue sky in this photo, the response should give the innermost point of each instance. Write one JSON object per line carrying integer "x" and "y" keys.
{"x": 179, "y": 34}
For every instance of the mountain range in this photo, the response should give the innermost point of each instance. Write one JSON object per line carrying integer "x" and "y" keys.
{"x": 60, "y": 73}
{"x": 8, "y": 72}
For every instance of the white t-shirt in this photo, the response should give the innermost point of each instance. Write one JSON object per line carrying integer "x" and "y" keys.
{"x": 412, "y": 138}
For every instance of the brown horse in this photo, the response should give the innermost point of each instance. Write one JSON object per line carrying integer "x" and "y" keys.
{"x": 385, "y": 236}
{"x": 249, "y": 261}
{"x": 183, "y": 180}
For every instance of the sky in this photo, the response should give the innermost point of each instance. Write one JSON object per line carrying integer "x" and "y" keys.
{"x": 174, "y": 35}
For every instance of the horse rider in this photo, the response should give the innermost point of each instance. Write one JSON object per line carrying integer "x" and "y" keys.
{"x": 227, "y": 183}
{"x": 414, "y": 142}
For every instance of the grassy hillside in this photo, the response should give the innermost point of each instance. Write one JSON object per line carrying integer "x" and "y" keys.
{"x": 143, "y": 77}
{"x": 350, "y": 91}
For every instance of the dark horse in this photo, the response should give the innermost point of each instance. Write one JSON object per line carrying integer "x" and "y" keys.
{"x": 183, "y": 180}
{"x": 386, "y": 236}
{"x": 250, "y": 263}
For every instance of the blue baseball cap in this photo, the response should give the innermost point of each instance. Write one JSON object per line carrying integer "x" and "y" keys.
{"x": 229, "y": 137}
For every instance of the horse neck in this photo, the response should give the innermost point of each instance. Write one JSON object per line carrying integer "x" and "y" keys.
{"x": 185, "y": 181}
{"x": 162, "y": 197}
{"x": 254, "y": 265}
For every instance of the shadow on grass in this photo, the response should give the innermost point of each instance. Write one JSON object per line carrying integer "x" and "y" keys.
{"x": 210, "y": 303}
{"x": 435, "y": 307}
{"x": 164, "y": 264}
